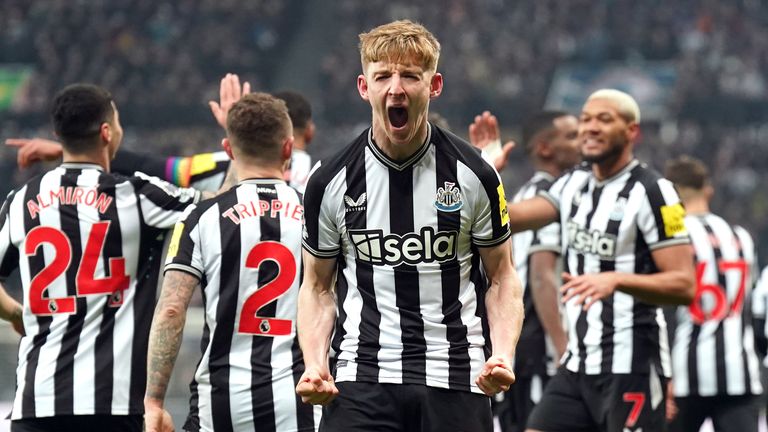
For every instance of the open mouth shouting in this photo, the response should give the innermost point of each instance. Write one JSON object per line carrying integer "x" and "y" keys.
{"x": 398, "y": 116}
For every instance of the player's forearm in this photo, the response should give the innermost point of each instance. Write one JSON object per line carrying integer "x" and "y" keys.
{"x": 531, "y": 214}
{"x": 315, "y": 318}
{"x": 166, "y": 334}
{"x": 676, "y": 287}
{"x": 504, "y": 306}
{"x": 545, "y": 302}
{"x": 10, "y": 309}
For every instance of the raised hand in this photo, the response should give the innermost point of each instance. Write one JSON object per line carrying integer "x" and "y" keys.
{"x": 496, "y": 376}
{"x": 31, "y": 150}
{"x": 316, "y": 387}
{"x": 484, "y": 134}
{"x": 230, "y": 92}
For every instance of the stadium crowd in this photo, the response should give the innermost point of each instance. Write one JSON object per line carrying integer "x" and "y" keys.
{"x": 168, "y": 56}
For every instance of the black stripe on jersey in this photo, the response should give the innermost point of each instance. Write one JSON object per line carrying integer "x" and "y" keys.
{"x": 341, "y": 295}
{"x": 650, "y": 181}
{"x": 581, "y": 323}
{"x": 406, "y": 277}
{"x": 36, "y": 264}
{"x": 455, "y": 330}
{"x": 218, "y": 362}
{"x": 369, "y": 346}
{"x": 159, "y": 192}
{"x": 746, "y": 312}
{"x": 192, "y": 424}
{"x": 64, "y": 376}
{"x": 150, "y": 252}
{"x": 606, "y": 316}
{"x": 262, "y": 404}
{"x": 720, "y": 331}
{"x": 11, "y": 258}
{"x": 103, "y": 372}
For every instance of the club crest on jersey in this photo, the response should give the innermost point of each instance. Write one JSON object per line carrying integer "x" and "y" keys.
{"x": 448, "y": 198}
{"x": 618, "y": 209}
{"x": 355, "y": 204}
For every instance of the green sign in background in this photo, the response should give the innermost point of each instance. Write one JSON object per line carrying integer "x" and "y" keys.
{"x": 11, "y": 80}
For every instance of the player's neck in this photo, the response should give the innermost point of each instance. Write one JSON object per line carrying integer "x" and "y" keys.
{"x": 610, "y": 167}
{"x": 100, "y": 158}
{"x": 299, "y": 143}
{"x": 398, "y": 151}
{"x": 250, "y": 171}
{"x": 548, "y": 167}
{"x": 696, "y": 206}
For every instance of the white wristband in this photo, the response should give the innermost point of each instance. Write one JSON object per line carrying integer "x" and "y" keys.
{"x": 493, "y": 149}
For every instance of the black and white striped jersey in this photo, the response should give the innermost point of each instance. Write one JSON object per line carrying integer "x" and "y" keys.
{"x": 614, "y": 225}
{"x": 410, "y": 288}
{"x": 713, "y": 351}
{"x": 87, "y": 245}
{"x": 535, "y": 353}
{"x": 759, "y": 303}
{"x": 245, "y": 247}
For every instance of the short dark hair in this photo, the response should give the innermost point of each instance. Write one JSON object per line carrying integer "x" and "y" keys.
{"x": 537, "y": 123}
{"x": 298, "y": 108}
{"x": 258, "y": 124}
{"x": 687, "y": 171}
{"x": 78, "y": 111}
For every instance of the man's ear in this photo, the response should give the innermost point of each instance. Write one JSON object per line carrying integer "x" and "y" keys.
{"x": 543, "y": 149}
{"x": 309, "y": 132}
{"x": 436, "y": 86}
{"x": 287, "y": 148}
{"x": 633, "y": 132}
{"x": 105, "y": 133}
{"x": 362, "y": 87}
{"x": 227, "y": 146}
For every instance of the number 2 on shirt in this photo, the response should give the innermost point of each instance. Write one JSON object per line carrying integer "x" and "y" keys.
{"x": 86, "y": 282}
{"x": 251, "y": 323}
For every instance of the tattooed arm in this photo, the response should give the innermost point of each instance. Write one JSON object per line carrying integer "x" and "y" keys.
{"x": 10, "y": 310}
{"x": 164, "y": 343}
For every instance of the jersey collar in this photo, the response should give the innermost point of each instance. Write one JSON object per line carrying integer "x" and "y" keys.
{"x": 262, "y": 181}
{"x": 81, "y": 165}
{"x": 400, "y": 166}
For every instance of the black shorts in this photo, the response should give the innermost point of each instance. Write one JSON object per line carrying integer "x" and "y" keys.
{"x": 514, "y": 406}
{"x": 607, "y": 403}
{"x": 728, "y": 413}
{"x": 80, "y": 423}
{"x": 405, "y": 407}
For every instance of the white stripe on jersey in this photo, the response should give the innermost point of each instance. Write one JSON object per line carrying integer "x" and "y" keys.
{"x": 723, "y": 352}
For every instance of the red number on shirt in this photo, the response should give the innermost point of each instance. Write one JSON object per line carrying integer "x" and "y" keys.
{"x": 721, "y": 308}
{"x": 86, "y": 282}
{"x": 637, "y": 400}
{"x": 117, "y": 281}
{"x": 266, "y": 326}
{"x": 39, "y": 303}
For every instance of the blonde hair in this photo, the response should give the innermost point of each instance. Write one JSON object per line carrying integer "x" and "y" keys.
{"x": 400, "y": 41}
{"x": 626, "y": 104}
